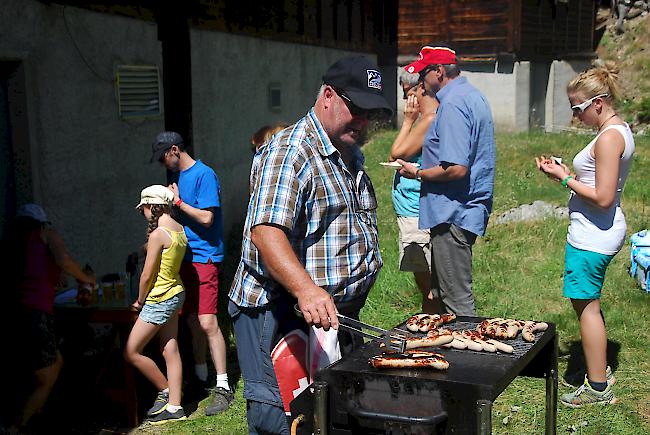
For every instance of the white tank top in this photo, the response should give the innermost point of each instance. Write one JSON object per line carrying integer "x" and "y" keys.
{"x": 592, "y": 228}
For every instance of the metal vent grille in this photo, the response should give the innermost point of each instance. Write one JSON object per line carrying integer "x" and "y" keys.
{"x": 138, "y": 91}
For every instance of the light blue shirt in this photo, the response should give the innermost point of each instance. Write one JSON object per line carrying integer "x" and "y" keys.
{"x": 463, "y": 134}
{"x": 406, "y": 193}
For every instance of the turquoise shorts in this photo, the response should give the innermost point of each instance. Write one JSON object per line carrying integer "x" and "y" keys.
{"x": 584, "y": 273}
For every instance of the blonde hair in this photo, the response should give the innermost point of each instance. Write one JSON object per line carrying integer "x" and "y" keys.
{"x": 602, "y": 78}
{"x": 265, "y": 133}
{"x": 157, "y": 210}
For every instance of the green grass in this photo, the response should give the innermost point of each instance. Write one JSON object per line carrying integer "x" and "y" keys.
{"x": 518, "y": 273}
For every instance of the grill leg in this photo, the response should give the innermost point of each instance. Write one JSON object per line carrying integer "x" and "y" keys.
{"x": 484, "y": 416}
{"x": 320, "y": 408}
{"x": 551, "y": 390}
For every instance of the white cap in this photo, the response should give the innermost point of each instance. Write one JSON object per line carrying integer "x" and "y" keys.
{"x": 156, "y": 194}
{"x": 33, "y": 211}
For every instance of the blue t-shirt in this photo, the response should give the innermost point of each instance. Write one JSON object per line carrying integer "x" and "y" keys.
{"x": 199, "y": 187}
{"x": 406, "y": 193}
{"x": 462, "y": 133}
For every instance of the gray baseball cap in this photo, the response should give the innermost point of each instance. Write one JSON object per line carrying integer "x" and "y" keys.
{"x": 163, "y": 142}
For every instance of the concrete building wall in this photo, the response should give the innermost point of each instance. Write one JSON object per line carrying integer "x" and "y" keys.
{"x": 87, "y": 165}
{"x": 506, "y": 87}
{"x": 231, "y": 77}
{"x": 558, "y": 111}
{"x": 522, "y": 95}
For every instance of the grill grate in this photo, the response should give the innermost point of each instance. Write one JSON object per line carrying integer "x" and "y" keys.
{"x": 518, "y": 344}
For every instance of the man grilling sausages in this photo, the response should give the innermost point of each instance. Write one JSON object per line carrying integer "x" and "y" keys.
{"x": 310, "y": 239}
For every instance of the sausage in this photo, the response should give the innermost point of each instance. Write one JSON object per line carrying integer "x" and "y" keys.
{"x": 457, "y": 344}
{"x": 531, "y": 327}
{"x": 540, "y": 326}
{"x": 410, "y": 360}
{"x": 433, "y": 338}
{"x": 426, "y": 322}
{"x": 412, "y": 323}
{"x": 431, "y": 321}
{"x": 477, "y": 337}
{"x": 448, "y": 317}
{"x": 496, "y": 331}
{"x": 501, "y": 347}
{"x": 486, "y": 346}
{"x": 471, "y": 345}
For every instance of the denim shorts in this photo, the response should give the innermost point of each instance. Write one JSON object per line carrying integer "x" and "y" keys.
{"x": 584, "y": 273}
{"x": 159, "y": 313}
{"x": 41, "y": 339}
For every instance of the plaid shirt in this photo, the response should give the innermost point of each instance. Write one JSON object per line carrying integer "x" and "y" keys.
{"x": 300, "y": 183}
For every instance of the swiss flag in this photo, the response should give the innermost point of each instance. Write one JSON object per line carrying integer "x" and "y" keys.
{"x": 289, "y": 358}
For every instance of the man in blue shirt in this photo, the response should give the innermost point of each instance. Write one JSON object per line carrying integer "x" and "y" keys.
{"x": 457, "y": 173}
{"x": 197, "y": 198}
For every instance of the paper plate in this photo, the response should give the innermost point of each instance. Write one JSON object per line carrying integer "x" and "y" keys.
{"x": 394, "y": 165}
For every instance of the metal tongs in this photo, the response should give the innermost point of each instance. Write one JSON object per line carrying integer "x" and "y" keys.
{"x": 395, "y": 339}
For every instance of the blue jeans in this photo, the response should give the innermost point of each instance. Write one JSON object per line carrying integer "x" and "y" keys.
{"x": 256, "y": 331}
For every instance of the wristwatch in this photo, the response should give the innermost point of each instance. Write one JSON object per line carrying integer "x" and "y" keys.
{"x": 417, "y": 175}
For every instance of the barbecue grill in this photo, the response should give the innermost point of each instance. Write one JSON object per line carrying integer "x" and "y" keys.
{"x": 350, "y": 397}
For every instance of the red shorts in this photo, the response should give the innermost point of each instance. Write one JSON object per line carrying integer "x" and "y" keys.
{"x": 201, "y": 282}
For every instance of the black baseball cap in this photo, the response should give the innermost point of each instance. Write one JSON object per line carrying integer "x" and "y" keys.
{"x": 361, "y": 81}
{"x": 164, "y": 142}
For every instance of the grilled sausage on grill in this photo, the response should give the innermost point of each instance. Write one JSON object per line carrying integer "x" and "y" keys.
{"x": 471, "y": 344}
{"x": 502, "y": 347}
{"x": 412, "y": 323}
{"x": 530, "y": 328}
{"x": 427, "y": 322}
{"x": 418, "y": 359}
{"x": 437, "y": 337}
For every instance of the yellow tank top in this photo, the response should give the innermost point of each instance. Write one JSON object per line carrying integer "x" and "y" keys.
{"x": 168, "y": 281}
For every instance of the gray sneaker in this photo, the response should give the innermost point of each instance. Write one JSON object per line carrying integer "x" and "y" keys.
{"x": 221, "y": 401}
{"x": 585, "y": 395}
{"x": 159, "y": 404}
{"x": 165, "y": 417}
{"x": 578, "y": 378}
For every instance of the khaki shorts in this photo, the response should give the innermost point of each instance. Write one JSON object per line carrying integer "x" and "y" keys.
{"x": 414, "y": 246}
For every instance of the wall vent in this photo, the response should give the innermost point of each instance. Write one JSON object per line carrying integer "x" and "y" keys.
{"x": 138, "y": 91}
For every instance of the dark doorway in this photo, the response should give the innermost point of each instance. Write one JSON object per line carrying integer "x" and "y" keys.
{"x": 7, "y": 170}
{"x": 539, "y": 74}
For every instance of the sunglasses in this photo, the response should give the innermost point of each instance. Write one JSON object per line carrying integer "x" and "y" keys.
{"x": 355, "y": 111}
{"x": 427, "y": 70}
{"x": 579, "y": 108}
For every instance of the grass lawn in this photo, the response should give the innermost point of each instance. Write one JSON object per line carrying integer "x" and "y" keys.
{"x": 518, "y": 274}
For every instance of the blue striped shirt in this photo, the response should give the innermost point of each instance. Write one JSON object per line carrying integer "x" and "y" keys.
{"x": 328, "y": 211}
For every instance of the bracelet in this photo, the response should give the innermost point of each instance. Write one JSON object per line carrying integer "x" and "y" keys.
{"x": 417, "y": 175}
{"x": 178, "y": 203}
{"x": 566, "y": 180}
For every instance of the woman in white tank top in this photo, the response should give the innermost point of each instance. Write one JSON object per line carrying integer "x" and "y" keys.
{"x": 597, "y": 225}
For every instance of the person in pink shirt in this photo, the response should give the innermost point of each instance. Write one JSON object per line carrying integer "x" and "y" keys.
{"x": 38, "y": 255}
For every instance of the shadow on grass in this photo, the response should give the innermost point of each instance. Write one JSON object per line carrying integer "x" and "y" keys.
{"x": 576, "y": 362}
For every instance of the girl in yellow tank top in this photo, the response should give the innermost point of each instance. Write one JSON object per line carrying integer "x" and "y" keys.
{"x": 160, "y": 296}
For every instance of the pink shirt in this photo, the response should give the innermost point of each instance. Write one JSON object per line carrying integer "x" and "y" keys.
{"x": 39, "y": 275}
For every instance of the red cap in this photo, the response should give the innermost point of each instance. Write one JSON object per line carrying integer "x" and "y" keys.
{"x": 432, "y": 56}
